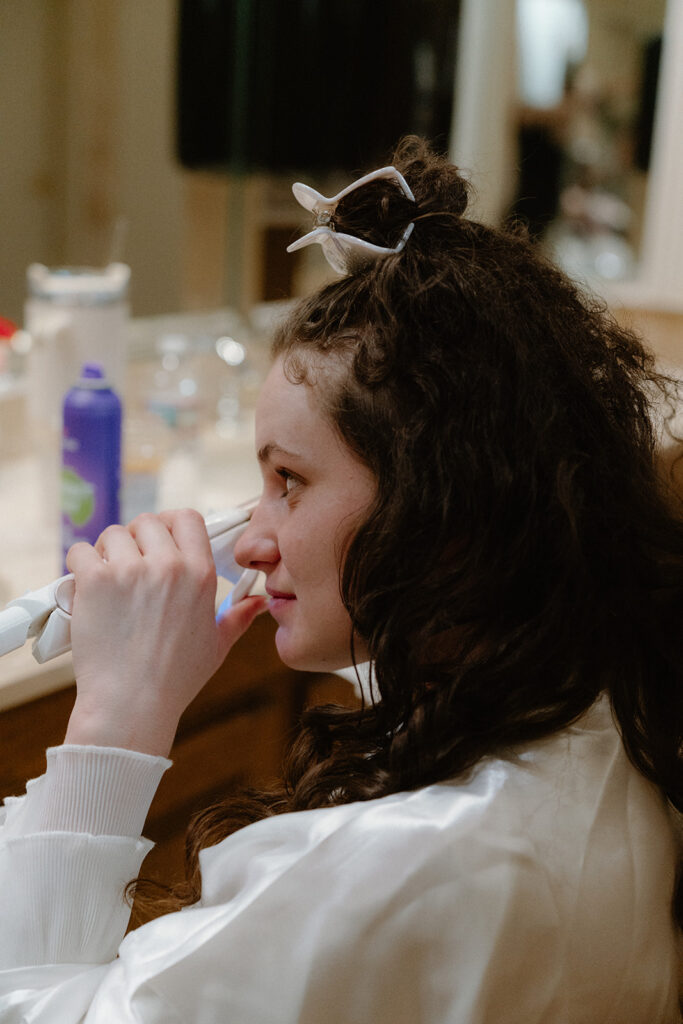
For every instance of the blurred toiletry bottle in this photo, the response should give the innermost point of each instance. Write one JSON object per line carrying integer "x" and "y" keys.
{"x": 174, "y": 393}
{"x": 91, "y": 457}
{"x": 72, "y": 315}
{"x": 7, "y": 331}
{"x": 146, "y": 443}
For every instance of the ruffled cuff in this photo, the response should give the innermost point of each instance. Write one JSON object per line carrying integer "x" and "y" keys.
{"x": 63, "y": 897}
{"x": 93, "y": 790}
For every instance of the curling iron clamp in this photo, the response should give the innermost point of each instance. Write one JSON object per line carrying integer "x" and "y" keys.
{"x": 45, "y": 614}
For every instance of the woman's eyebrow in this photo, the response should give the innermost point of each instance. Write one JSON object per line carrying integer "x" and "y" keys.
{"x": 264, "y": 453}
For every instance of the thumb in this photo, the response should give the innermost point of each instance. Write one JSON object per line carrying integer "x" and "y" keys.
{"x": 238, "y": 618}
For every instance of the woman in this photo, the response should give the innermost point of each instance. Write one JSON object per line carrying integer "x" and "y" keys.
{"x": 459, "y": 487}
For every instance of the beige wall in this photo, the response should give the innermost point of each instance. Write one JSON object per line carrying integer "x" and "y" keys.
{"x": 661, "y": 331}
{"x": 89, "y": 172}
{"x": 86, "y": 102}
{"x": 31, "y": 169}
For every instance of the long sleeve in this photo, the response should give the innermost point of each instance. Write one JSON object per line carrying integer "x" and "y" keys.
{"x": 338, "y": 915}
{"x": 67, "y": 849}
{"x": 535, "y": 891}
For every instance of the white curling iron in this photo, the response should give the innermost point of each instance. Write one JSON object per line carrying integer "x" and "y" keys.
{"x": 45, "y": 614}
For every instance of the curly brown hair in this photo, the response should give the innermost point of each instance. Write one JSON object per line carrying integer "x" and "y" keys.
{"x": 522, "y": 554}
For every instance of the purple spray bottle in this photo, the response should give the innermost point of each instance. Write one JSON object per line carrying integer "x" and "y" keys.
{"x": 91, "y": 457}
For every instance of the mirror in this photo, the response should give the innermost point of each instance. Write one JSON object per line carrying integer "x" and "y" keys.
{"x": 610, "y": 201}
{"x": 588, "y": 73}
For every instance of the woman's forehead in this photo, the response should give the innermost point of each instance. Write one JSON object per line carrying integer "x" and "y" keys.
{"x": 287, "y": 411}
{"x": 291, "y": 418}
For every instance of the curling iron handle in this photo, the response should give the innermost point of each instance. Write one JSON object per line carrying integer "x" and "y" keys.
{"x": 55, "y": 637}
{"x": 14, "y": 626}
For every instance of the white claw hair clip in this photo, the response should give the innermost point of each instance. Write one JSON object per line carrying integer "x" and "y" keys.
{"x": 338, "y": 247}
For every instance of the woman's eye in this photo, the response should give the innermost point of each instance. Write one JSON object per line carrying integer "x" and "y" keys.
{"x": 289, "y": 481}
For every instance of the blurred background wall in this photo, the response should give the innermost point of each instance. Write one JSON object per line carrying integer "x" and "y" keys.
{"x": 89, "y": 115}
{"x": 86, "y": 120}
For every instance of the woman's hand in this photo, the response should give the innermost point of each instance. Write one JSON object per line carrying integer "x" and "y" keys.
{"x": 143, "y": 631}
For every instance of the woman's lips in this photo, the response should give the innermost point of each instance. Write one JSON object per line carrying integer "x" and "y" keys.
{"x": 278, "y": 600}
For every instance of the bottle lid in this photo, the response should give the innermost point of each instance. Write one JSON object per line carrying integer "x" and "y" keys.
{"x": 93, "y": 376}
{"x": 174, "y": 343}
{"x": 79, "y": 286}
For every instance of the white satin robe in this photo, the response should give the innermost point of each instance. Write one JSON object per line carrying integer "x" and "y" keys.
{"x": 537, "y": 891}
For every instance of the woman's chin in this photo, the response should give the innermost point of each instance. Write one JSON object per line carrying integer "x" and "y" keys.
{"x": 290, "y": 653}
{"x": 305, "y": 657}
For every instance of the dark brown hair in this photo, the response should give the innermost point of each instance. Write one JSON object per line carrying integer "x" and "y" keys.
{"x": 522, "y": 554}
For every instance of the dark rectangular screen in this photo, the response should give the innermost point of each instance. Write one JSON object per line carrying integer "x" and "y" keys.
{"x": 282, "y": 85}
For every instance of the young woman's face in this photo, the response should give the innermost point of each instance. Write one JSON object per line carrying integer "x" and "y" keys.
{"x": 315, "y": 491}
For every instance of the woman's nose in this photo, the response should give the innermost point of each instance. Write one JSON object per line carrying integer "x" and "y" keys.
{"x": 257, "y": 547}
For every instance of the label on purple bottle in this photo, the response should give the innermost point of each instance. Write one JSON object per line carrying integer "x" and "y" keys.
{"x": 78, "y": 498}
{"x": 91, "y": 460}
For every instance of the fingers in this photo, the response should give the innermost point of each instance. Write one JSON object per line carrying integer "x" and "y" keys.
{"x": 163, "y": 542}
{"x": 152, "y": 535}
{"x": 116, "y": 543}
{"x": 164, "y": 550}
{"x": 188, "y": 530}
{"x": 82, "y": 556}
{"x": 149, "y": 535}
{"x": 239, "y": 618}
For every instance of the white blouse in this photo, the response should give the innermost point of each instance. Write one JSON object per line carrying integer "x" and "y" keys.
{"x": 536, "y": 891}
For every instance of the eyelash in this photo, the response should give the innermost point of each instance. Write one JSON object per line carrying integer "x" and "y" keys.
{"x": 288, "y": 479}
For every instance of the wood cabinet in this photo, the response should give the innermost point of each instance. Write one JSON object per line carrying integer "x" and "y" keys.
{"x": 235, "y": 732}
